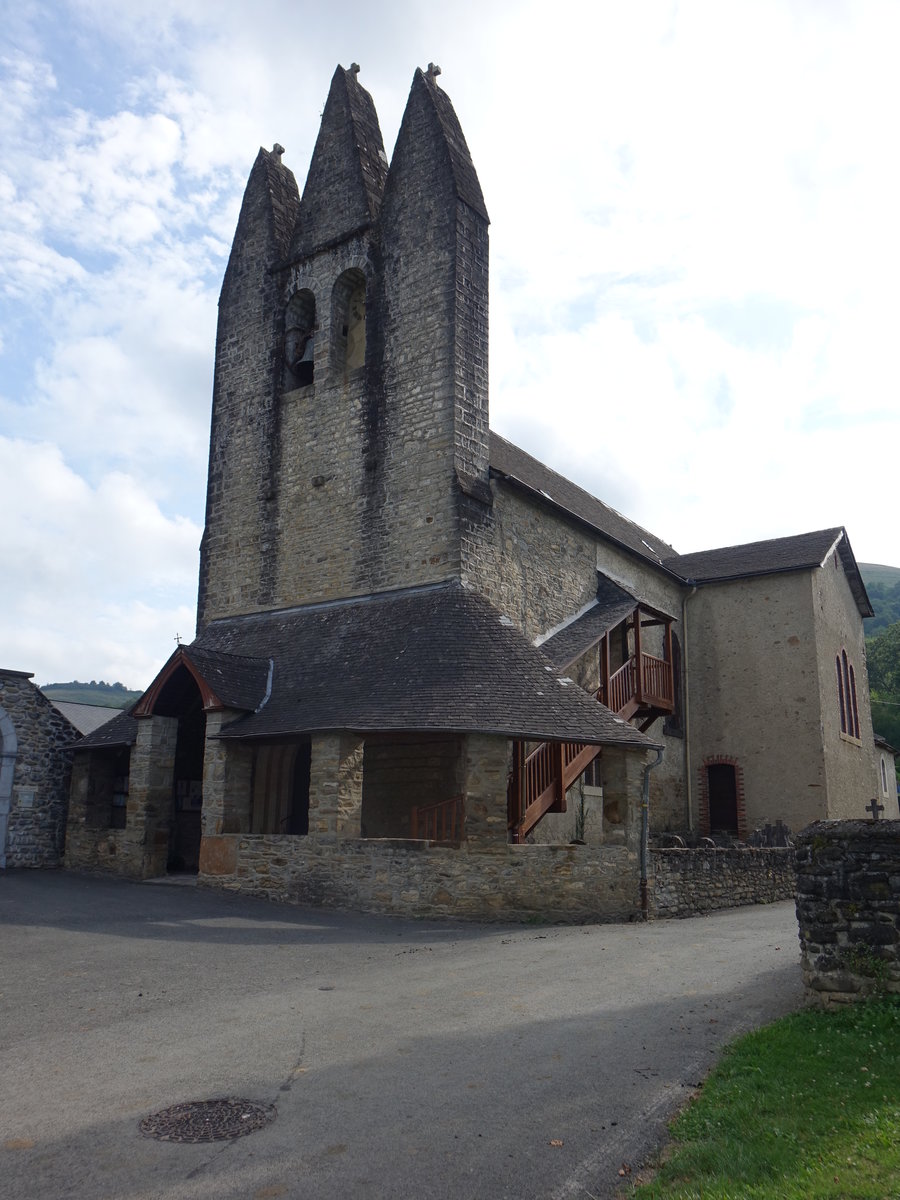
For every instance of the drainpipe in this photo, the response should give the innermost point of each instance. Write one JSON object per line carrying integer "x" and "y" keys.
{"x": 645, "y": 833}
{"x": 688, "y": 781}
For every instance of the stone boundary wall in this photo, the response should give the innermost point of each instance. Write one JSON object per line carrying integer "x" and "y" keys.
{"x": 415, "y": 878}
{"x": 688, "y": 882}
{"x": 848, "y": 909}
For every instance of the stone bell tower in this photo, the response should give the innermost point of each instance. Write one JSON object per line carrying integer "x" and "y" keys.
{"x": 350, "y": 409}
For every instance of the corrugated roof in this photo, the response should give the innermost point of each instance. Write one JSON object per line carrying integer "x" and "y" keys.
{"x": 85, "y": 717}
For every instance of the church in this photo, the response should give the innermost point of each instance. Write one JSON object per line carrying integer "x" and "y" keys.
{"x": 431, "y": 675}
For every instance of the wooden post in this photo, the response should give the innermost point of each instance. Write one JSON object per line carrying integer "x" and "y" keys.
{"x": 559, "y": 767}
{"x": 515, "y": 807}
{"x": 667, "y": 654}
{"x": 638, "y": 665}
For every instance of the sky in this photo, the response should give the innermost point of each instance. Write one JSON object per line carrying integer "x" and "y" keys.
{"x": 694, "y": 265}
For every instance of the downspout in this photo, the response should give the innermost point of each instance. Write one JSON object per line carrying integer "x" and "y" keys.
{"x": 688, "y": 781}
{"x": 645, "y": 833}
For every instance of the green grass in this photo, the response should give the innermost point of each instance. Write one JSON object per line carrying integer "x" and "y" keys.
{"x": 806, "y": 1109}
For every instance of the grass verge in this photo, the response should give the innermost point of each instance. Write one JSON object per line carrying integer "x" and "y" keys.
{"x": 806, "y": 1109}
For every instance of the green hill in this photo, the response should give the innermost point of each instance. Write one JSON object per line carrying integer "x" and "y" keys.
{"x": 878, "y": 573}
{"x": 105, "y": 695}
{"x": 883, "y": 585}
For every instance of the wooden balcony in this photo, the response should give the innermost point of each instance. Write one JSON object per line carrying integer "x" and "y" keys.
{"x": 643, "y": 686}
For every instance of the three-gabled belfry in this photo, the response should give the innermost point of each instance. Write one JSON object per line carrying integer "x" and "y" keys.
{"x": 352, "y": 339}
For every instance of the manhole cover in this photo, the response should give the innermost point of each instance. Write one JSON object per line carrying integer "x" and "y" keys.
{"x": 207, "y": 1120}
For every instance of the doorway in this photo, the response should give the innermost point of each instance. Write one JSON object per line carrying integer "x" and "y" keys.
{"x": 722, "y": 790}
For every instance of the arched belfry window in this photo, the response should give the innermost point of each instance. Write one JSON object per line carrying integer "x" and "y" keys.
{"x": 348, "y": 321}
{"x": 299, "y": 339}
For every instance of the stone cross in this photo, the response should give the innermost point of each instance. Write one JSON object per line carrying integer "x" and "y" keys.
{"x": 433, "y": 71}
{"x": 875, "y": 808}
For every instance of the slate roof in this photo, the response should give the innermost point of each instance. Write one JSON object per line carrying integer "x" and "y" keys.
{"x": 520, "y": 468}
{"x": 802, "y": 551}
{"x": 238, "y": 681}
{"x": 120, "y": 731}
{"x": 433, "y": 658}
{"x": 613, "y": 605}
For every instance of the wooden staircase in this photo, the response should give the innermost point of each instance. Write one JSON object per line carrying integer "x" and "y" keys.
{"x": 539, "y": 782}
{"x": 641, "y": 689}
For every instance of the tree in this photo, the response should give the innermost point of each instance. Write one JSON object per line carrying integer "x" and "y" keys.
{"x": 883, "y": 656}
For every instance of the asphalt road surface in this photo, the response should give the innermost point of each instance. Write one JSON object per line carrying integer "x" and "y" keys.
{"x": 404, "y": 1059}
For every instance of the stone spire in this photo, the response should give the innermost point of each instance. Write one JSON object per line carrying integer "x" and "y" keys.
{"x": 346, "y": 175}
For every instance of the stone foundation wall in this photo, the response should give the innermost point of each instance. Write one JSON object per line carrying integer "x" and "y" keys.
{"x": 508, "y": 883}
{"x": 688, "y": 883}
{"x": 848, "y": 909}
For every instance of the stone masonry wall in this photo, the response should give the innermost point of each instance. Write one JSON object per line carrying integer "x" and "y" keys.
{"x": 746, "y": 691}
{"x": 509, "y": 883}
{"x": 688, "y": 883}
{"x": 38, "y": 795}
{"x": 848, "y": 909}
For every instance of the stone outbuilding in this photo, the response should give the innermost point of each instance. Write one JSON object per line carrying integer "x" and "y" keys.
{"x": 430, "y": 674}
{"x": 35, "y": 763}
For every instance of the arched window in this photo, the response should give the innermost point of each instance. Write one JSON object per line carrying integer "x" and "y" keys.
{"x": 348, "y": 321}
{"x": 299, "y": 339}
{"x": 847, "y": 696}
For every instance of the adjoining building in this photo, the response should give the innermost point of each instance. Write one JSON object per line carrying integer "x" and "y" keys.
{"x": 35, "y": 764}
{"x": 430, "y": 674}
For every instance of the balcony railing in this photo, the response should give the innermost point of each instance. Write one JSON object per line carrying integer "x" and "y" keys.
{"x": 652, "y": 687}
{"x": 441, "y": 822}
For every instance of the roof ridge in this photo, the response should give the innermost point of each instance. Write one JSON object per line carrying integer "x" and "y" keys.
{"x": 649, "y": 552}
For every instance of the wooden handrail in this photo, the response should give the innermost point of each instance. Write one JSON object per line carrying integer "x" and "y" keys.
{"x": 444, "y": 821}
{"x": 540, "y": 785}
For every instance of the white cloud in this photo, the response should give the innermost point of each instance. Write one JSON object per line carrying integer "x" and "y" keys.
{"x": 693, "y": 261}
{"x": 80, "y": 559}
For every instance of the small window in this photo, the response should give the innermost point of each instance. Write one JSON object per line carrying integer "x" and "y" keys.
{"x": 299, "y": 339}
{"x": 884, "y": 786}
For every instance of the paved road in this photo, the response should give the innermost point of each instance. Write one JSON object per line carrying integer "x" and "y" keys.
{"x": 406, "y": 1059}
